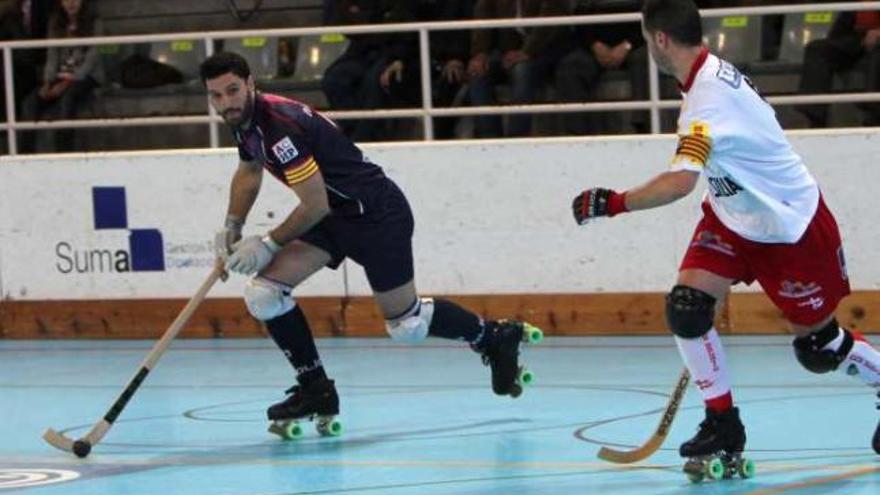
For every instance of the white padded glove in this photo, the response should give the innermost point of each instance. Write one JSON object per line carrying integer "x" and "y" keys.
{"x": 226, "y": 237}
{"x": 252, "y": 254}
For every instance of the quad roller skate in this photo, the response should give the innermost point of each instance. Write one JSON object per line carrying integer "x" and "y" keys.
{"x": 316, "y": 402}
{"x": 500, "y": 351}
{"x": 716, "y": 450}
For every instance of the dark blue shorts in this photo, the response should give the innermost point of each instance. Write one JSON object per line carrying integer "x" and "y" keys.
{"x": 380, "y": 240}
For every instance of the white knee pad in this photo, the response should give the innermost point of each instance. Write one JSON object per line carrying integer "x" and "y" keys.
{"x": 266, "y": 299}
{"x": 413, "y": 327}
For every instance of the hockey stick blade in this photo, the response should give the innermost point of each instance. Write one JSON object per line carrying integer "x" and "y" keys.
{"x": 58, "y": 440}
{"x": 653, "y": 444}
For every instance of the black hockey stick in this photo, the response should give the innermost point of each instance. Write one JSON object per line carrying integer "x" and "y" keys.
{"x": 84, "y": 445}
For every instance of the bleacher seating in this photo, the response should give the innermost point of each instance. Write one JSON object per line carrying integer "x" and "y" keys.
{"x": 800, "y": 29}
{"x": 260, "y": 52}
{"x": 736, "y": 39}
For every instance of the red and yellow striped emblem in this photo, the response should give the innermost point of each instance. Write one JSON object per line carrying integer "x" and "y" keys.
{"x": 695, "y": 148}
{"x": 301, "y": 172}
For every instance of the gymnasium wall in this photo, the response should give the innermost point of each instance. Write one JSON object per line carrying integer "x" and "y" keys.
{"x": 111, "y": 245}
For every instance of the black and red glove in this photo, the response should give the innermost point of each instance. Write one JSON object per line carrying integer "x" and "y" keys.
{"x": 597, "y": 202}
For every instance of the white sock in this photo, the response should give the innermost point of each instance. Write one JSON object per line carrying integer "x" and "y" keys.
{"x": 862, "y": 361}
{"x": 705, "y": 359}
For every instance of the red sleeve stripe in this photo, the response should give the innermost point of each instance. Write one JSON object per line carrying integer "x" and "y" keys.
{"x": 302, "y": 172}
{"x": 697, "y": 142}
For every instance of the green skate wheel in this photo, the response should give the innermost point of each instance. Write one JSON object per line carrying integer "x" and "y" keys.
{"x": 335, "y": 428}
{"x": 532, "y": 334}
{"x": 526, "y": 377}
{"x": 746, "y": 468}
{"x": 715, "y": 469}
{"x": 330, "y": 427}
{"x": 695, "y": 477}
{"x": 292, "y": 431}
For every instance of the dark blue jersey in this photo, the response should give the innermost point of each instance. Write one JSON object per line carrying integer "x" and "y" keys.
{"x": 293, "y": 142}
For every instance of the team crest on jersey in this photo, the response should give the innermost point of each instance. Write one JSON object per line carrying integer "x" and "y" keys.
{"x": 729, "y": 74}
{"x": 285, "y": 150}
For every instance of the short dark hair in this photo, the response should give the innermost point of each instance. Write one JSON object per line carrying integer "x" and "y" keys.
{"x": 680, "y": 19}
{"x": 223, "y": 63}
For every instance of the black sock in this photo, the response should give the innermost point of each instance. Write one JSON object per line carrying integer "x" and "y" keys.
{"x": 451, "y": 321}
{"x": 292, "y": 334}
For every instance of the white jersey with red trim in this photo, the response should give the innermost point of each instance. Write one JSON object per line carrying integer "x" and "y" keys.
{"x": 758, "y": 186}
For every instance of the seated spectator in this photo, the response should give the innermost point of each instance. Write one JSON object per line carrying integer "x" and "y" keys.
{"x": 602, "y": 48}
{"x": 450, "y": 51}
{"x": 522, "y": 56}
{"x": 853, "y": 37}
{"x": 22, "y": 20}
{"x": 71, "y": 73}
{"x": 362, "y": 77}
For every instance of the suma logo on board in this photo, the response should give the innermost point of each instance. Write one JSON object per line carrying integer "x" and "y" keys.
{"x": 110, "y": 213}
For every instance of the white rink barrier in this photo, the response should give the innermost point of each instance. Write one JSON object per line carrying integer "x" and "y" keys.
{"x": 492, "y": 217}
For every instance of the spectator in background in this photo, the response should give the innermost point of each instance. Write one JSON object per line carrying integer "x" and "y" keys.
{"x": 450, "y": 51}
{"x": 353, "y": 80}
{"x": 328, "y": 12}
{"x": 854, "y": 36}
{"x": 602, "y": 48}
{"x": 71, "y": 73}
{"x": 524, "y": 56}
{"x": 398, "y": 84}
{"x": 22, "y": 20}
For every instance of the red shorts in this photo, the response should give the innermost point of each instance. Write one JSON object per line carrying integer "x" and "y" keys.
{"x": 806, "y": 280}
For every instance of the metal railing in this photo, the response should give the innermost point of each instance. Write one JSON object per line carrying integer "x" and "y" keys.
{"x": 427, "y": 111}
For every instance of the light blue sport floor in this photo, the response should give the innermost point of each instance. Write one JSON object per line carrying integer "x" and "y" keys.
{"x": 419, "y": 419}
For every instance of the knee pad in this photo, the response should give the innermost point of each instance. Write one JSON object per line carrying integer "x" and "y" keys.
{"x": 690, "y": 313}
{"x": 809, "y": 352}
{"x": 266, "y": 299}
{"x": 413, "y": 325}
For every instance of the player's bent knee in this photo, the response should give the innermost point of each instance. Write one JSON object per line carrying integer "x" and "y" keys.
{"x": 266, "y": 299}
{"x": 412, "y": 328}
{"x": 810, "y": 351}
{"x": 690, "y": 313}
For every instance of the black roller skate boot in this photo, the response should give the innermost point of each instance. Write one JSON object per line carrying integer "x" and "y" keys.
{"x": 715, "y": 452}
{"x": 316, "y": 400}
{"x": 499, "y": 347}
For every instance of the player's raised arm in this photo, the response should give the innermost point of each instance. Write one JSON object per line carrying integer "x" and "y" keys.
{"x": 661, "y": 190}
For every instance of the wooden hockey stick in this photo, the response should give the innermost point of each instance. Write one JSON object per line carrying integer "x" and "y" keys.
{"x": 653, "y": 443}
{"x": 84, "y": 445}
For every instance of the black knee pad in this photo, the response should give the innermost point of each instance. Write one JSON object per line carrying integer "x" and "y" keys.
{"x": 808, "y": 349}
{"x": 690, "y": 313}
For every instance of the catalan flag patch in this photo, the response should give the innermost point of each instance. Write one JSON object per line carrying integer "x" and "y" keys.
{"x": 695, "y": 148}
{"x": 301, "y": 172}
